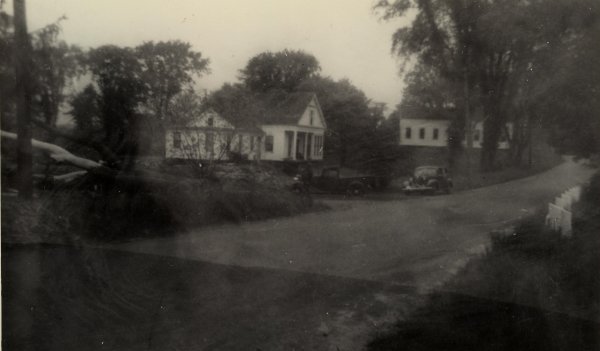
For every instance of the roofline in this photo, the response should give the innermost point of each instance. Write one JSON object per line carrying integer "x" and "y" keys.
{"x": 314, "y": 95}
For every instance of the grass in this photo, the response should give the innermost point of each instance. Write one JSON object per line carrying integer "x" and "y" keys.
{"x": 94, "y": 210}
{"x": 532, "y": 290}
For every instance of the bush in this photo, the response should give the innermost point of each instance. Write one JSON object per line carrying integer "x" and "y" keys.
{"x": 108, "y": 211}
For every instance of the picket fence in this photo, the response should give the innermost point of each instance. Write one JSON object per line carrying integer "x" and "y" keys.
{"x": 560, "y": 213}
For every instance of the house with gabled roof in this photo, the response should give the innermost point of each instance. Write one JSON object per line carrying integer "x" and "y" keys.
{"x": 284, "y": 127}
{"x": 294, "y": 128}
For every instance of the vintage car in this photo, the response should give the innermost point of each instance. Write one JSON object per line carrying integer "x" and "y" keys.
{"x": 336, "y": 180}
{"x": 428, "y": 180}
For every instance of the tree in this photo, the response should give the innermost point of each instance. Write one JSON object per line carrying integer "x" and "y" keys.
{"x": 569, "y": 98}
{"x": 485, "y": 45}
{"x": 55, "y": 64}
{"x": 7, "y": 72}
{"x": 237, "y": 103}
{"x": 24, "y": 96}
{"x": 167, "y": 68}
{"x": 117, "y": 73}
{"x": 282, "y": 70}
{"x": 86, "y": 112}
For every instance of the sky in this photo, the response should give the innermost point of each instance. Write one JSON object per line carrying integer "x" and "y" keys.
{"x": 346, "y": 36}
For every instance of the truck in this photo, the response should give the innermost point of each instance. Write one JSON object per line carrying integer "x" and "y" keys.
{"x": 337, "y": 180}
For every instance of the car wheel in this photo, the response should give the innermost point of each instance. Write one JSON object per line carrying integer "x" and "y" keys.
{"x": 357, "y": 191}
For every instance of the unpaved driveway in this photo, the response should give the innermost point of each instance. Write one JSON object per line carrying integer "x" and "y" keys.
{"x": 419, "y": 241}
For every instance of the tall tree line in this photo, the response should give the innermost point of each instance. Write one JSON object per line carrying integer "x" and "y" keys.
{"x": 494, "y": 56}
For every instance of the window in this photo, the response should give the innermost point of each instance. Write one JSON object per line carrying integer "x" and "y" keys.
{"x": 177, "y": 140}
{"x": 269, "y": 143}
{"x": 209, "y": 142}
{"x": 408, "y": 133}
{"x": 252, "y": 143}
{"x": 436, "y": 134}
{"x": 210, "y": 121}
{"x": 229, "y": 142}
{"x": 422, "y": 133}
{"x": 318, "y": 149}
{"x": 330, "y": 173}
{"x": 476, "y": 135}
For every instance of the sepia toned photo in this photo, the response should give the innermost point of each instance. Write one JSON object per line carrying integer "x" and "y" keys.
{"x": 328, "y": 175}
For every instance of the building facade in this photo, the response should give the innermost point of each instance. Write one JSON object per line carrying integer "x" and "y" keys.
{"x": 290, "y": 128}
{"x": 295, "y": 133}
{"x": 434, "y": 133}
{"x": 209, "y": 136}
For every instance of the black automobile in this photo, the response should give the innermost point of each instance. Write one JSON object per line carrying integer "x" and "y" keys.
{"x": 429, "y": 180}
{"x": 335, "y": 180}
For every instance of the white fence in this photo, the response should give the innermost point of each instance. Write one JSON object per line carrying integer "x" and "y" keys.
{"x": 560, "y": 215}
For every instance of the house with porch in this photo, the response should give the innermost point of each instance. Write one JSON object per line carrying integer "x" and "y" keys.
{"x": 294, "y": 128}
{"x": 289, "y": 127}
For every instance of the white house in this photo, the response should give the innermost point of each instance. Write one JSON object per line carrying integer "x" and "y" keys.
{"x": 210, "y": 136}
{"x": 434, "y": 133}
{"x": 290, "y": 127}
{"x": 294, "y": 128}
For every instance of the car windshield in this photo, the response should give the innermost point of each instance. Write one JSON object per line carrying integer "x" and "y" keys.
{"x": 426, "y": 172}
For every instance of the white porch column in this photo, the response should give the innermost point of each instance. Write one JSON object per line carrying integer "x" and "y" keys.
{"x": 293, "y": 144}
{"x": 306, "y": 146}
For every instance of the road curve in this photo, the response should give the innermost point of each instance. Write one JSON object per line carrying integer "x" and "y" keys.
{"x": 419, "y": 241}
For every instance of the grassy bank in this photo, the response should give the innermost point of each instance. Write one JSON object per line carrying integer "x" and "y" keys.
{"x": 95, "y": 210}
{"x": 532, "y": 290}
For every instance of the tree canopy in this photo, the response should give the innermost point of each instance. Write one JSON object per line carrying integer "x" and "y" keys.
{"x": 488, "y": 47}
{"x": 167, "y": 68}
{"x": 281, "y": 70}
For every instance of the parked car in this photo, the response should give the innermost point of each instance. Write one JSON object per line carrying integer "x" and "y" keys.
{"x": 336, "y": 180}
{"x": 428, "y": 180}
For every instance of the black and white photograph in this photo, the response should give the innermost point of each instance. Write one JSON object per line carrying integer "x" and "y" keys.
{"x": 290, "y": 175}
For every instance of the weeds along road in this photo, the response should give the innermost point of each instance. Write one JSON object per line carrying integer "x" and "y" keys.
{"x": 419, "y": 241}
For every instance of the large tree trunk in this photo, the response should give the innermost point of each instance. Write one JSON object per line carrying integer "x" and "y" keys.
{"x": 492, "y": 129}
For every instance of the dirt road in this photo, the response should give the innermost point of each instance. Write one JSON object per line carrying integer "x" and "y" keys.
{"x": 419, "y": 241}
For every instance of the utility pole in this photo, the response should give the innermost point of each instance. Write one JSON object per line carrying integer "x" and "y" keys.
{"x": 23, "y": 90}
{"x": 468, "y": 127}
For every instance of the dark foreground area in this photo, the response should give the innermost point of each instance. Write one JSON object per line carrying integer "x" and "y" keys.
{"x": 458, "y": 322}
{"x": 66, "y": 298}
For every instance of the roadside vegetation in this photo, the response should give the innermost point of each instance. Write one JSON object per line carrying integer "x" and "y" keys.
{"x": 533, "y": 289}
{"x": 93, "y": 208}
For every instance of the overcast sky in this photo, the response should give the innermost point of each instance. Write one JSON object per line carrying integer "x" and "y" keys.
{"x": 345, "y": 36}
